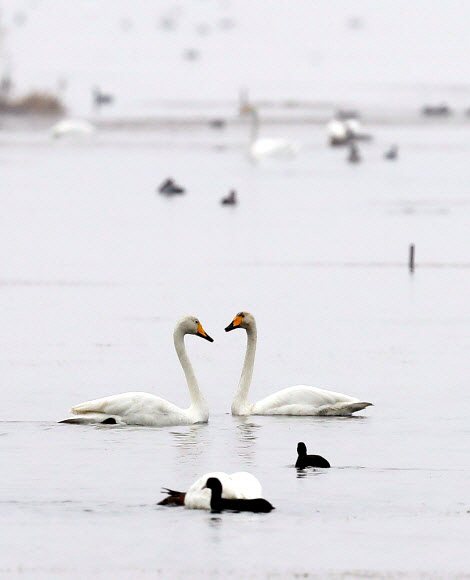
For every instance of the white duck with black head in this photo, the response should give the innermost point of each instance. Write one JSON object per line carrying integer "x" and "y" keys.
{"x": 297, "y": 400}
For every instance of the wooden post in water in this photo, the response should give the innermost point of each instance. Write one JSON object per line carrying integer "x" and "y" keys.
{"x": 411, "y": 259}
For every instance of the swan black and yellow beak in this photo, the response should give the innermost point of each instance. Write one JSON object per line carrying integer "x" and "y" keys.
{"x": 203, "y": 334}
{"x": 234, "y": 324}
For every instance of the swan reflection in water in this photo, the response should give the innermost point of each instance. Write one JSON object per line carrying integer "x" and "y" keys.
{"x": 190, "y": 442}
{"x": 247, "y": 435}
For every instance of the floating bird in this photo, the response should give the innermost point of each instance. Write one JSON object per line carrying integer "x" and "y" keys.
{"x": 392, "y": 153}
{"x": 441, "y": 110}
{"x": 169, "y": 187}
{"x": 345, "y": 127}
{"x": 137, "y": 408}
{"x": 217, "y": 123}
{"x": 239, "y": 485}
{"x": 337, "y": 132}
{"x": 297, "y": 400}
{"x": 76, "y": 127}
{"x": 304, "y": 460}
{"x": 218, "y": 503}
{"x": 261, "y": 147}
{"x": 230, "y": 199}
{"x": 100, "y": 98}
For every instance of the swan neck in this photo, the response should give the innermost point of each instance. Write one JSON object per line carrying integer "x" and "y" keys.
{"x": 240, "y": 405}
{"x": 197, "y": 400}
{"x": 254, "y": 125}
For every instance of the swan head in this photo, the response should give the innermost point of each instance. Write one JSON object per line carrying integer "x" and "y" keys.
{"x": 241, "y": 320}
{"x": 247, "y": 109}
{"x": 301, "y": 448}
{"x": 191, "y": 325}
{"x": 214, "y": 485}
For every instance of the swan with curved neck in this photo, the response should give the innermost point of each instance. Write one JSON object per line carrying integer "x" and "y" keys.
{"x": 297, "y": 400}
{"x": 261, "y": 147}
{"x": 137, "y": 408}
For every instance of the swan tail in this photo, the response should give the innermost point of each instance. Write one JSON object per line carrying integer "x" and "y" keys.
{"x": 359, "y": 406}
{"x": 174, "y": 498}
{"x": 350, "y": 408}
{"x": 93, "y": 419}
{"x": 343, "y": 409}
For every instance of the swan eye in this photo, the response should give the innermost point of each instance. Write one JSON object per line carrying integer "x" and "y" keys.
{"x": 196, "y": 321}
{"x": 241, "y": 315}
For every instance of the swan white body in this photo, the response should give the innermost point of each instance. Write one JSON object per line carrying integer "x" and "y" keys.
{"x": 262, "y": 147}
{"x": 297, "y": 400}
{"x": 72, "y": 127}
{"x": 341, "y": 131}
{"x": 239, "y": 485}
{"x": 137, "y": 408}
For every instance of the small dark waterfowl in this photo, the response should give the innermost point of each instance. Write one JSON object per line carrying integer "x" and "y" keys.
{"x": 218, "y": 503}
{"x": 304, "y": 460}
{"x": 100, "y": 98}
{"x": 230, "y": 199}
{"x": 353, "y": 156}
{"x": 217, "y": 123}
{"x": 440, "y": 110}
{"x": 169, "y": 187}
{"x": 392, "y": 153}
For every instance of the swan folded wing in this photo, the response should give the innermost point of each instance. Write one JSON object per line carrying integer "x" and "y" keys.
{"x": 273, "y": 146}
{"x": 246, "y": 486}
{"x": 305, "y": 400}
{"x": 129, "y": 405}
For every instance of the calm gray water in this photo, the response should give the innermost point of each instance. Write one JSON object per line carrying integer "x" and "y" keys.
{"x": 97, "y": 268}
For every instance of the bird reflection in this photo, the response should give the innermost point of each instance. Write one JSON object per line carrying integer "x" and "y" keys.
{"x": 247, "y": 436}
{"x": 308, "y": 472}
{"x": 190, "y": 442}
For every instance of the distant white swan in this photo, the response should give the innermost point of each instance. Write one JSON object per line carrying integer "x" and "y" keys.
{"x": 298, "y": 400}
{"x": 239, "y": 485}
{"x": 145, "y": 408}
{"x": 261, "y": 147}
{"x": 72, "y": 127}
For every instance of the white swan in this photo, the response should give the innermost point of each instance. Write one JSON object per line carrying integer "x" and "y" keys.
{"x": 147, "y": 409}
{"x": 67, "y": 127}
{"x": 298, "y": 400}
{"x": 342, "y": 131}
{"x": 239, "y": 485}
{"x": 261, "y": 147}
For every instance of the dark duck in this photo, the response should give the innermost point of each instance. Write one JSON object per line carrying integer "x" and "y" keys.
{"x": 169, "y": 187}
{"x": 304, "y": 460}
{"x": 219, "y": 504}
{"x": 230, "y": 199}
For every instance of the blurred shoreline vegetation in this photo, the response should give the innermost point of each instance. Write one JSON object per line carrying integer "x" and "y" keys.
{"x": 35, "y": 103}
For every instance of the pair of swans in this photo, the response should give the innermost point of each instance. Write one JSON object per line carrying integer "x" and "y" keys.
{"x": 137, "y": 408}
